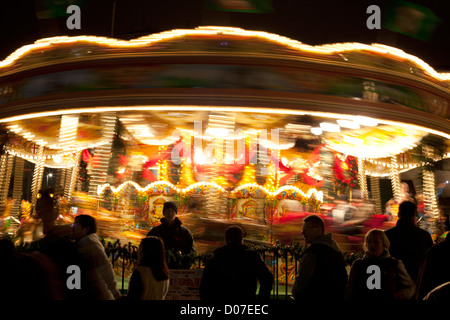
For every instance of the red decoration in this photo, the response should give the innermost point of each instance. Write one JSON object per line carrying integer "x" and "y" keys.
{"x": 147, "y": 174}
{"x": 123, "y": 160}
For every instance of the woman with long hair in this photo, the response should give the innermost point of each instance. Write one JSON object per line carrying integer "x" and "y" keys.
{"x": 150, "y": 279}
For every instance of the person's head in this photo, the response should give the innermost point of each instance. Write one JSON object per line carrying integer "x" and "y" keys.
{"x": 404, "y": 187}
{"x": 234, "y": 235}
{"x": 407, "y": 211}
{"x": 313, "y": 228}
{"x": 83, "y": 226}
{"x": 151, "y": 254}
{"x": 376, "y": 243}
{"x": 170, "y": 211}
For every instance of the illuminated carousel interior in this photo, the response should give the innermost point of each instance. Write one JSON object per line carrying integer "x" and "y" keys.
{"x": 264, "y": 170}
{"x": 256, "y": 164}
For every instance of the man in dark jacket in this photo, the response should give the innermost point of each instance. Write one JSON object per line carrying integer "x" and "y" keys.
{"x": 232, "y": 273}
{"x": 321, "y": 275}
{"x": 176, "y": 237}
{"x": 409, "y": 243}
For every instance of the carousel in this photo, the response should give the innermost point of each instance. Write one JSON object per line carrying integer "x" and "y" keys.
{"x": 235, "y": 126}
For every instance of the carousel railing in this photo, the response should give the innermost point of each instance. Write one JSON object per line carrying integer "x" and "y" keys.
{"x": 282, "y": 260}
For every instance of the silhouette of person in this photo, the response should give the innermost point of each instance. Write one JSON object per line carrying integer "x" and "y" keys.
{"x": 45, "y": 210}
{"x": 321, "y": 274}
{"x": 435, "y": 268}
{"x": 233, "y": 272}
{"x": 57, "y": 244}
{"x": 440, "y": 293}
{"x": 101, "y": 278}
{"x": 150, "y": 279}
{"x": 409, "y": 243}
{"x": 176, "y": 237}
{"x": 26, "y": 276}
{"x": 394, "y": 282}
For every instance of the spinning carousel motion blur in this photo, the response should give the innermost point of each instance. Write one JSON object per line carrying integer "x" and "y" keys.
{"x": 236, "y": 126}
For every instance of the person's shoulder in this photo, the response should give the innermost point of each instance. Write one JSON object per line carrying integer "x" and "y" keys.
{"x": 357, "y": 262}
{"x": 391, "y": 230}
{"x": 154, "y": 230}
{"x": 250, "y": 251}
{"x": 185, "y": 229}
{"x": 425, "y": 235}
{"x": 423, "y": 232}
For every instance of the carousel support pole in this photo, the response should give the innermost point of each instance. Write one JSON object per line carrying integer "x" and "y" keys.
{"x": 17, "y": 187}
{"x": 375, "y": 190}
{"x": 100, "y": 169}
{"x": 6, "y": 182}
{"x": 37, "y": 177}
{"x": 4, "y": 185}
{"x": 362, "y": 178}
{"x": 67, "y": 139}
{"x": 277, "y": 170}
{"x": 395, "y": 178}
{"x": 65, "y": 181}
{"x": 73, "y": 176}
{"x": 429, "y": 192}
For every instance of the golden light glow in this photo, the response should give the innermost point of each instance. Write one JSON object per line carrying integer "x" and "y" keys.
{"x": 219, "y": 108}
{"x": 338, "y": 48}
{"x": 379, "y": 142}
{"x": 395, "y": 178}
{"x": 318, "y": 195}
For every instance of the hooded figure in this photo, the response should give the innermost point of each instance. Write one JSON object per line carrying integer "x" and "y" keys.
{"x": 321, "y": 274}
{"x": 176, "y": 237}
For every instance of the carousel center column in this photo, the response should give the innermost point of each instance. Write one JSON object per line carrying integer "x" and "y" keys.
{"x": 395, "y": 178}
{"x": 67, "y": 139}
{"x": 362, "y": 178}
{"x": 102, "y": 153}
{"x": 37, "y": 177}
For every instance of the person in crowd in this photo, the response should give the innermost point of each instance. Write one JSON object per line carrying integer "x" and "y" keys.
{"x": 45, "y": 210}
{"x": 101, "y": 280}
{"x": 440, "y": 293}
{"x": 25, "y": 276}
{"x": 177, "y": 238}
{"x": 150, "y": 279}
{"x": 435, "y": 269}
{"x": 58, "y": 246}
{"x": 394, "y": 282}
{"x": 233, "y": 272}
{"x": 409, "y": 243}
{"x": 321, "y": 273}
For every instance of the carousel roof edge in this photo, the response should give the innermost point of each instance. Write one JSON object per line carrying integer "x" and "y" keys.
{"x": 322, "y": 51}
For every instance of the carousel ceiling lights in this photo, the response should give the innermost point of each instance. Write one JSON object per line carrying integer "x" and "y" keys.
{"x": 316, "y": 130}
{"x": 366, "y": 121}
{"x": 360, "y": 119}
{"x": 330, "y": 127}
{"x": 349, "y": 124}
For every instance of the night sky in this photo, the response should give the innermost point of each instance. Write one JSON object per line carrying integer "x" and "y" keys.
{"x": 311, "y": 22}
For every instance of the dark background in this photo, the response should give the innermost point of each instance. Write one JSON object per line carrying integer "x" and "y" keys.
{"x": 311, "y": 22}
